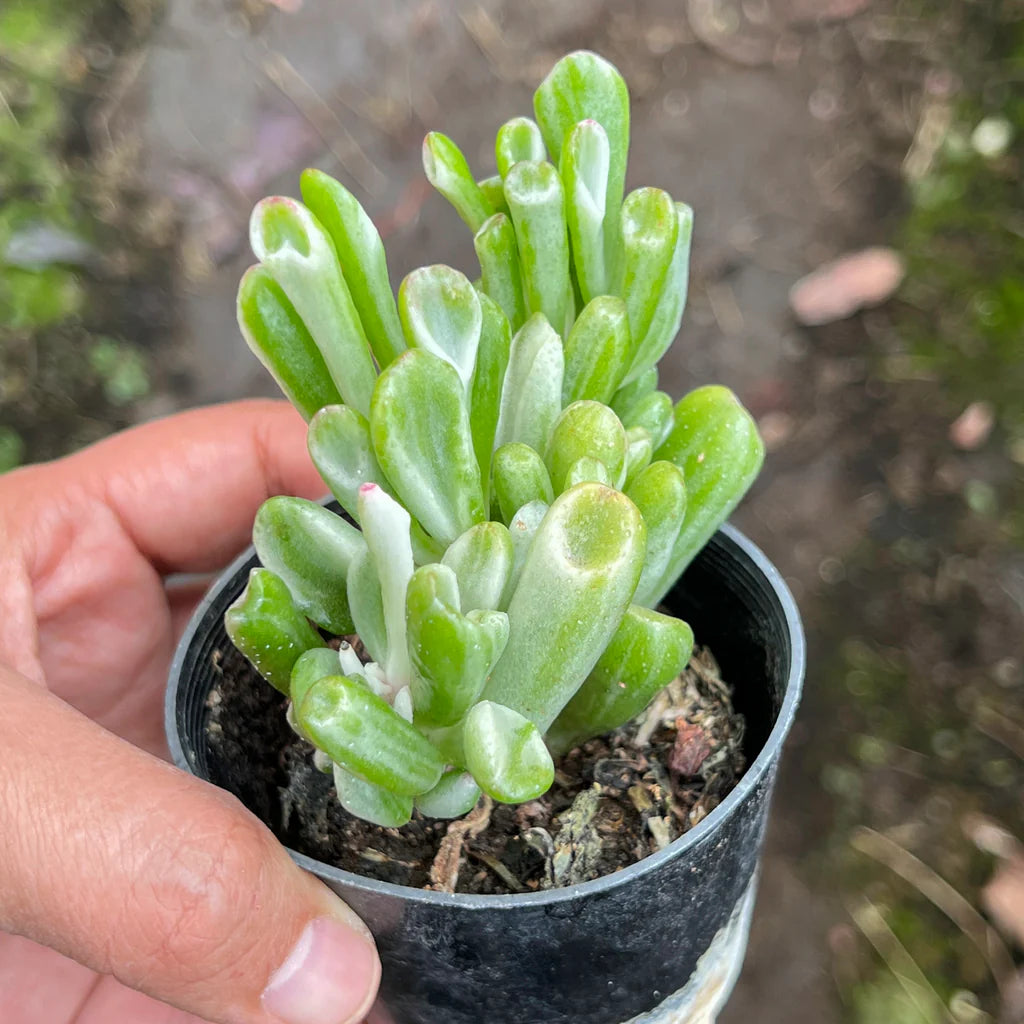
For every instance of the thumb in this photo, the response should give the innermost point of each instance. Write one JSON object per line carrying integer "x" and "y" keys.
{"x": 138, "y": 870}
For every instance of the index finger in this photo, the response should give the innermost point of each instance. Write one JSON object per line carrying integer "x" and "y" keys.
{"x": 185, "y": 489}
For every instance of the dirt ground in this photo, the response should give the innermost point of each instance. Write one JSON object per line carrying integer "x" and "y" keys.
{"x": 788, "y": 126}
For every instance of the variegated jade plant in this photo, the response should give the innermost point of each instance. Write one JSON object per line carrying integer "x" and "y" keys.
{"x": 525, "y": 495}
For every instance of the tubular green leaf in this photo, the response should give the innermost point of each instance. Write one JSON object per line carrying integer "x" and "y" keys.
{"x": 660, "y": 494}
{"x": 363, "y": 260}
{"x": 577, "y": 581}
{"x": 481, "y": 560}
{"x": 279, "y": 339}
{"x": 531, "y": 395}
{"x": 455, "y": 795}
{"x": 452, "y": 653}
{"x": 485, "y": 400}
{"x": 650, "y": 229}
{"x": 364, "y": 734}
{"x": 310, "y": 667}
{"x": 447, "y": 739}
{"x": 522, "y": 529}
{"x": 498, "y": 253}
{"x": 493, "y": 189}
{"x": 583, "y": 86}
{"x": 715, "y": 442}
{"x": 584, "y": 171}
{"x": 518, "y": 139}
{"x": 597, "y": 351}
{"x": 647, "y": 652}
{"x": 339, "y": 445}
{"x": 366, "y": 602}
{"x": 586, "y": 429}
{"x": 448, "y": 172}
{"x": 421, "y": 436}
{"x": 290, "y": 242}
{"x": 374, "y": 804}
{"x": 534, "y": 193}
{"x": 311, "y": 549}
{"x": 506, "y": 755}
{"x": 629, "y": 394}
{"x": 587, "y": 470}
{"x": 386, "y": 529}
{"x": 440, "y": 312}
{"x": 668, "y": 313}
{"x": 267, "y": 627}
{"x": 519, "y": 477}
{"x": 639, "y": 450}
{"x": 653, "y": 412}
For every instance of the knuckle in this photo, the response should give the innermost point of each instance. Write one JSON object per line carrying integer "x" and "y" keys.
{"x": 197, "y": 882}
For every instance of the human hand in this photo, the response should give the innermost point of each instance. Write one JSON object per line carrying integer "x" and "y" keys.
{"x": 153, "y": 881}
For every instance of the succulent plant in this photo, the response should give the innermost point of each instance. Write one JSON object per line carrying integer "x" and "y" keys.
{"x": 519, "y": 494}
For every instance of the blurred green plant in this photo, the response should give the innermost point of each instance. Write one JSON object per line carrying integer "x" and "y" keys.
{"x": 964, "y": 235}
{"x": 66, "y": 382}
{"x": 39, "y": 62}
{"x": 121, "y": 370}
{"x": 526, "y": 495}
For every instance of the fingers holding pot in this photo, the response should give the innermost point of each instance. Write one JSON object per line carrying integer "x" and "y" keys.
{"x": 142, "y": 872}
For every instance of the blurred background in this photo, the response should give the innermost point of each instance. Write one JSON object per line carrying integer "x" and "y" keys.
{"x": 858, "y": 278}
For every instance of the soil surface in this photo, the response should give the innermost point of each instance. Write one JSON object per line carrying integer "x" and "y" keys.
{"x": 615, "y": 800}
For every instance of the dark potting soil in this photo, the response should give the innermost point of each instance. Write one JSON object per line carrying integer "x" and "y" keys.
{"x": 615, "y": 800}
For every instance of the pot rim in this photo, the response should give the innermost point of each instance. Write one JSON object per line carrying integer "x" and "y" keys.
{"x": 480, "y": 901}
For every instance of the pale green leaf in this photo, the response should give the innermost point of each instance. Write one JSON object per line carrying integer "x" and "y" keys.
{"x": 440, "y": 312}
{"x": 481, "y": 559}
{"x": 534, "y": 193}
{"x": 363, "y": 261}
{"x": 311, "y": 549}
{"x": 531, "y": 396}
{"x": 386, "y": 529}
{"x": 584, "y": 170}
{"x": 371, "y": 803}
{"x": 364, "y": 734}
{"x": 519, "y": 477}
{"x": 448, "y": 172}
{"x": 715, "y": 442}
{"x": 267, "y": 627}
{"x": 506, "y": 755}
{"x": 518, "y": 139}
{"x": 647, "y": 652}
{"x": 577, "y": 581}
{"x": 420, "y": 430}
{"x": 583, "y": 86}
{"x": 501, "y": 275}
{"x": 586, "y": 429}
{"x": 293, "y": 246}
{"x": 597, "y": 351}
{"x": 278, "y": 338}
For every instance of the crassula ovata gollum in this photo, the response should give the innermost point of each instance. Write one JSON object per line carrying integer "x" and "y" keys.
{"x": 520, "y": 495}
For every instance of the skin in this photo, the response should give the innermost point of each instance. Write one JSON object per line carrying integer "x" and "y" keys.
{"x": 126, "y": 885}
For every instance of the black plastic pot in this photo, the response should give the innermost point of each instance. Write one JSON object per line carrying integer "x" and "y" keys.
{"x": 660, "y": 942}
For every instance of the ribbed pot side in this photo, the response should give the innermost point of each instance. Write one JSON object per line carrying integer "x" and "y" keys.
{"x": 660, "y": 942}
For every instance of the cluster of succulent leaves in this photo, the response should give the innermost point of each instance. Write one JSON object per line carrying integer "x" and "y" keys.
{"x": 524, "y": 494}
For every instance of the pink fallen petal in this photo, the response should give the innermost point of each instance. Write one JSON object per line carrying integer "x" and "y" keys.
{"x": 288, "y": 6}
{"x": 824, "y": 10}
{"x": 1003, "y": 898}
{"x": 841, "y": 288}
{"x": 971, "y": 428}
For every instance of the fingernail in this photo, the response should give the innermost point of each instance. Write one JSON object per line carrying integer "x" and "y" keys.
{"x": 330, "y": 977}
